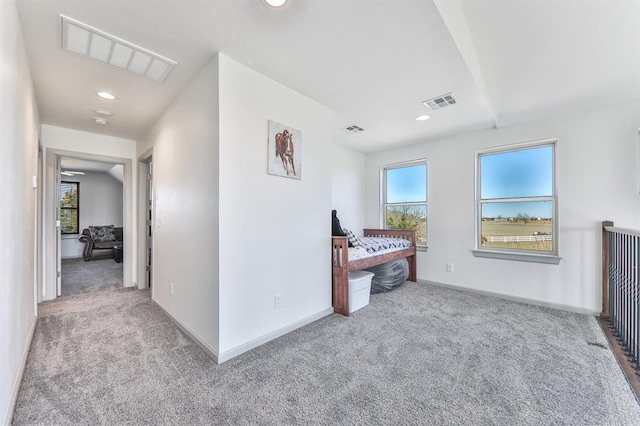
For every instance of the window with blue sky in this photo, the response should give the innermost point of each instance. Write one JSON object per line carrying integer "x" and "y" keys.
{"x": 517, "y": 199}
{"x": 405, "y": 198}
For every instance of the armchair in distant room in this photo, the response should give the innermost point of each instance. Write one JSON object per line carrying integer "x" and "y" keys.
{"x": 100, "y": 239}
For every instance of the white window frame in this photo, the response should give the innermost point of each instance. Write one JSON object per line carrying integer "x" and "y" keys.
{"x": 515, "y": 254}
{"x": 383, "y": 194}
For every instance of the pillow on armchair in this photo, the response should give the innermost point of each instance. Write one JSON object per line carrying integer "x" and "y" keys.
{"x": 102, "y": 234}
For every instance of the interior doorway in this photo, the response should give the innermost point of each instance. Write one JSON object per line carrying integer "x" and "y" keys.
{"x": 89, "y": 194}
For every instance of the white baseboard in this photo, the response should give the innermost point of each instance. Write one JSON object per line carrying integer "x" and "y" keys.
{"x": 524, "y": 300}
{"x": 18, "y": 380}
{"x": 245, "y": 347}
{"x": 191, "y": 334}
{"x": 70, "y": 257}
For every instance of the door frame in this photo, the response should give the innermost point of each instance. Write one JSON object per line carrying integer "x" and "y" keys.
{"x": 58, "y": 227}
{"x": 145, "y": 170}
{"x": 48, "y": 289}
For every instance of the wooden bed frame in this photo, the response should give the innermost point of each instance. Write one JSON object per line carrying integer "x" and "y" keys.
{"x": 341, "y": 265}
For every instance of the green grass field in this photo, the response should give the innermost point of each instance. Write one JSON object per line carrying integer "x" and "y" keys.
{"x": 491, "y": 228}
{"x": 515, "y": 228}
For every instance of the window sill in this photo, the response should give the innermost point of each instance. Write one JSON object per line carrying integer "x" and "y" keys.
{"x": 521, "y": 257}
{"x": 69, "y": 236}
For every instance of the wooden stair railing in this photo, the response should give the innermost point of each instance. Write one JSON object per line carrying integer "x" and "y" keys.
{"x": 620, "y": 317}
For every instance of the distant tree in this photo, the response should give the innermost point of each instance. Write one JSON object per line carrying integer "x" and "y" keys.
{"x": 524, "y": 217}
{"x": 69, "y": 212}
{"x": 70, "y": 199}
{"x": 499, "y": 217}
{"x": 407, "y": 217}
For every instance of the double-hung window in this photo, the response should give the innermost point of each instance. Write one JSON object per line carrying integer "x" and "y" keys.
{"x": 404, "y": 198}
{"x": 516, "y": 202}
{"x": 70, "y": 207}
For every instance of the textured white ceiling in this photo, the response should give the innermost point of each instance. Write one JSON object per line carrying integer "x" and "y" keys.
{"x": 373, "y": 62}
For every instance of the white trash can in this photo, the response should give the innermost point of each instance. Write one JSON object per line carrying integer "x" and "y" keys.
{"x": 359, "y": 289}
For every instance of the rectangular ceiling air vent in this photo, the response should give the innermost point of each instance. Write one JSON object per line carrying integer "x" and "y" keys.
{"x": 440, "y": 101}
{"x": 88, "y": 41}
{"x": 354, "y": 129}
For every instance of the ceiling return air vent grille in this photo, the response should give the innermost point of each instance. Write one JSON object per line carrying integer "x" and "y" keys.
{"x": 354, "y": 129}
{"x": 440, "y": 102}
{"x": 80, "y": 38}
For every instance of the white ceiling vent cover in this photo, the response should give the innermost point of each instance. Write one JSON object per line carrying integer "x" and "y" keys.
{"x": 93, "y": 43}
{"x": 354, "y": 129}
{"x": 440, "y": 102}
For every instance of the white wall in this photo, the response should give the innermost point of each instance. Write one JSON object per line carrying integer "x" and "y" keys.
{"x": 274, "y": 231}
{"x": 91, "y": 146}
{"x": 598, "y": 180}
{"x": 348, "y": 187}
{"x": 100, "y": 204}
{"x": 216, "y": 207}
{"x": 19, "y": 159}
{"x": 185, "y": 187}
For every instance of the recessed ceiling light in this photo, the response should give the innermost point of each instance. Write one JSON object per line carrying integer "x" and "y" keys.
{"x": 276, "y": 3}
{"x": 423, "y": 117}
{"x": 103, "y": 112}
{"x": 100, "y": 121}
{"x": 106, "y": 95}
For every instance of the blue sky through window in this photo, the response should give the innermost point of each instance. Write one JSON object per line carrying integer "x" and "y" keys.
{"x": 514, "y": 174}
{"x": 407, "y": 184}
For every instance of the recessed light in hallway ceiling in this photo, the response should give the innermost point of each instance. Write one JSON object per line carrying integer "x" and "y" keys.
{"x": 88, "y": 41}
{"x": 106, "y": 95}
{"x": 103, "y": 112}
{"x": 275, "y": 3}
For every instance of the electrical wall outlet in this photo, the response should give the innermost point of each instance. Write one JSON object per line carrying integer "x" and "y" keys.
{"x": 171, "y": 288}
{"x": 449, "y": 267}
{"x": 276, "y": 301}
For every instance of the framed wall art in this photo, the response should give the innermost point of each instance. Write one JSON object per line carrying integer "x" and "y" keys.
{"x": 284, "y": 151}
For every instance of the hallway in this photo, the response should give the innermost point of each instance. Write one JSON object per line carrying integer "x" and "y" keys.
{"x": 96, "y": 350}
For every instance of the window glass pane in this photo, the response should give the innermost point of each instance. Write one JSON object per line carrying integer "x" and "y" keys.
{"x": 407, "y": 184}
{"x": 69, "y": 221}
{"x": 68, "y": 194}
{"x": 523, "y": 173}
{"x": 518, "y": 225}
{"x": 409, "y": 217}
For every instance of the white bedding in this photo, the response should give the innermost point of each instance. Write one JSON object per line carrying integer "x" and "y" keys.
{"x": 373, "y": 246}
{"x": 356, "y": 253}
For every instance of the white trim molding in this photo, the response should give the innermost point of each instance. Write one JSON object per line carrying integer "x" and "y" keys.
{"x": 190, "y": 334}
{"x": 219, "y": 358}
{"x": 533, "y": 302}
{"x": 519, "y": 256}
{"x": 18, "y": 380}
{"x": 245, "y": 347}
